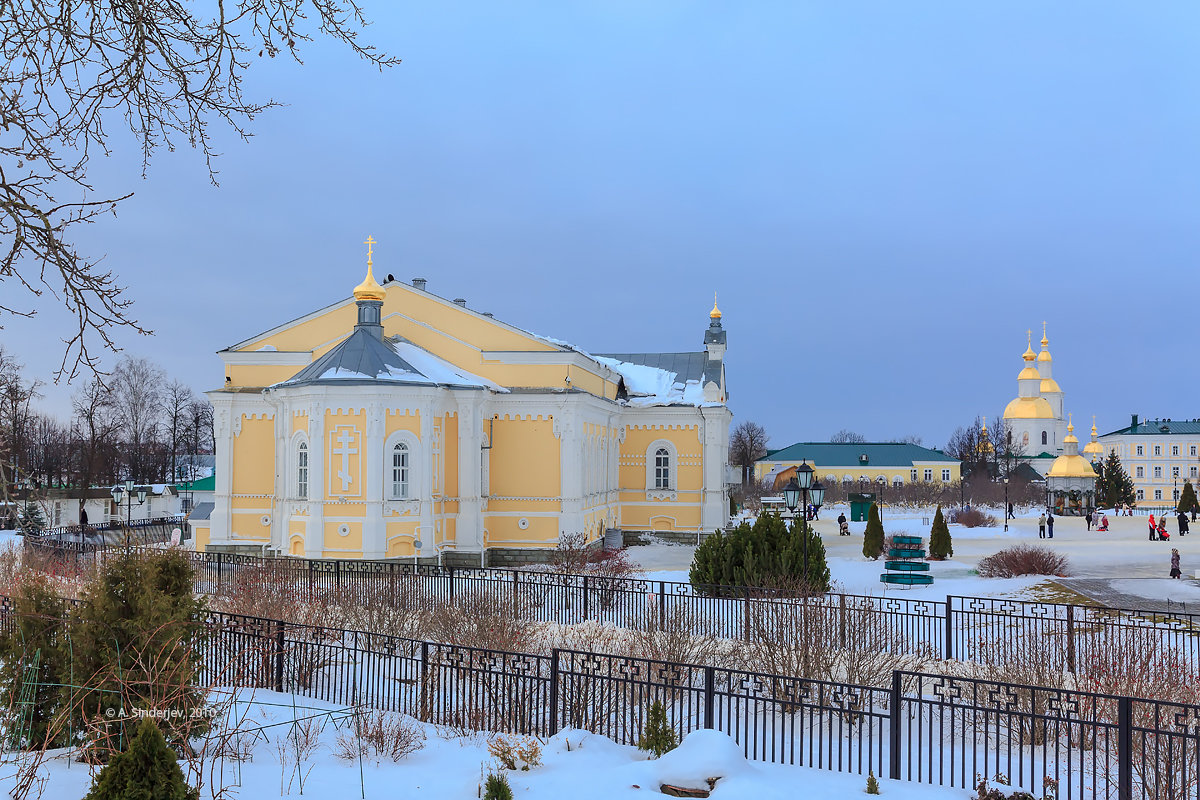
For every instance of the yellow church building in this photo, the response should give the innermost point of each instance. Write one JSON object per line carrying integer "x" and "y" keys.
{"x": 398, "y": 424}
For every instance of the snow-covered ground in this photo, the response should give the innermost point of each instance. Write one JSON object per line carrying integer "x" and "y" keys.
{"x": 1124, "y": 551}
{"x": 575, "y": 764}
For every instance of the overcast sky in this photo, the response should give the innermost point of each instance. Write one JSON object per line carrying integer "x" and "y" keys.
{"x": 885, "y": 196}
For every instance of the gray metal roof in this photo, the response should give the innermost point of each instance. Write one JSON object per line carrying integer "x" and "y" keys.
{"x": 686, "y": 366}
{"x": 202, "y": 511}
{"x": 364, "y": 358}
{"x": 879, "y": 454}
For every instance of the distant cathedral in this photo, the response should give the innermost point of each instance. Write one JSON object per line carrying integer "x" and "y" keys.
{"x": 1036, "y": 418}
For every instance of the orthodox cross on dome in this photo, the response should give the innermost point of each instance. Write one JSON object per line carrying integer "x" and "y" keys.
{"x": 1045, "y": 341}
{"x": 370, "y": 243}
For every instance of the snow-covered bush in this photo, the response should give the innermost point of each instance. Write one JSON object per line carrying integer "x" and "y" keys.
{"x": 514, "y": 752}
{"x": 379, "y": 736}
{"x": 1023, "y": 559}
{"x": 972, "y": 518}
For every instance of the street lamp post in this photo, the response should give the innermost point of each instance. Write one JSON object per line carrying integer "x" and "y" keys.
{"x": 126, "y": 492}
{"x": 802, "y": 488}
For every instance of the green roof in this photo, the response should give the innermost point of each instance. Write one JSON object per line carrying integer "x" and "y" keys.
{"x": 1158, "y": 427}
{"x": 208, "y": 484}
{"x": 880, "y": 454}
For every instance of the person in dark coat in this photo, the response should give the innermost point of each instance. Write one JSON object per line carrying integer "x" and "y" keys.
{"x": 843, "y": 526}
{"x": 1011, "y": 515}
{"x": 1183, "y": 523}
{"x": 1175, "y": 571}
{"x": 1088, "y": 517}
{"x": 83, "y": 518}
{"x": 1049, "y": 525}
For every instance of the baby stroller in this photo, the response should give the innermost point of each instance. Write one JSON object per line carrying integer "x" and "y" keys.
{"x": 844, "y": 529}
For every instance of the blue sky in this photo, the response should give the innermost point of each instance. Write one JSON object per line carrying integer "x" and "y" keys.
{"x": 885, "y": 196}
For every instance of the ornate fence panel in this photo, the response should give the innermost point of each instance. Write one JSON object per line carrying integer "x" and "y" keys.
{"x": 952, "y": 731}
{"x": 486, "y": 690}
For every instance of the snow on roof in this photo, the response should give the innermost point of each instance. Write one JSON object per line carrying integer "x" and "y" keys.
{"x": 652, "y": 386}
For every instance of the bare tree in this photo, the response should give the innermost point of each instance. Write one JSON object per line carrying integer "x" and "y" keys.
{"x": 747, "y": 444}
{"x": 95, "y": 427}
{"x": 912, "y": 438}
{"x": 137, "y": 393}
{"x": 178, "y": 399}
{"x": 845, "y": 436}
{"x": 168, "y": 70}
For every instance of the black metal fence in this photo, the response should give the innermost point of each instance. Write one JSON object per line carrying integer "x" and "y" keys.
{"x": 989, "y": 631}
{"x": 926, "y": 728}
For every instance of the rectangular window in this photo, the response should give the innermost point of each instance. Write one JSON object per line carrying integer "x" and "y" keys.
{"x": 1141, "y": 472}
{"x": 1192, "y": 471}
{"x": 1158, "y": 472}
{"x": 945, "y": 476}
{"x": 1158, "y": 494}
{"x": 1138, "y": 450}
{"x": 1158, "y": 449}
{"x": 1175, "y": 495}
{"x": 1141, "y": 494}
{"x": 1174, "y": 472}
{"x": 1174, "y": 449}
{"x": 913, "y": 476}
{"x": 928, "y": 475}
{"x": 1192, "y": 450}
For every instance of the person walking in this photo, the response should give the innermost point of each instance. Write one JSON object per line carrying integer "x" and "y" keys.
{"x": 1088, "y": 517}
{"x": 83, "y": 518}
{"x": 1175, "y": 571}
{"x": 1049, "y": 524}
{"x": 843, "y": 526}
{"x": 1042, "y": 526}
{"x": 1153, "y": 529}
{"x": 1011, "y": 515}
{"x": 1183, "y": 523}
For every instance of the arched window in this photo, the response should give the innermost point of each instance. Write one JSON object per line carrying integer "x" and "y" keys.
{"x": 302, "y": 471}
{"x": 662, "y": 468}
{"x": 1043, "y": 437}
{"x": 400, "y": 471}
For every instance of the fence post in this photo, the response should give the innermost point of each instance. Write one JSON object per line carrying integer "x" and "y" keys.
{"x": 710, "y": 682}
{"x": 662, "y": 606}
{"x": 219, "y": 560}
{"x": 515, "y": 587}
{"x": 424, "y": 710}
{"x": 746, "y": 613}
{"x": 894, "y": 728}
{"x": 279, "y": 645}
{"x": 949, "y": 649}
{"x": 337, "y": 575}
{"x": 451, "y": 581}
{"x": 585, "y": 597}
{"x": 842, "y": 620}
{"x": 554, "y": 675}
{"x": 1125, "y": 748}
{"x": 1071, "y": 639}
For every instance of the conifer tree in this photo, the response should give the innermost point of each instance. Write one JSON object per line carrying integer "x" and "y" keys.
{"x": 497, "y": 787}
{"x": 32, "y": 519}
{"x": 657, "y": 737}
{"x": 768, "y": 553}
{"x": 36, "y": 637}
{"x": 873, "y": 537}
{"x": 1113, "y": 484}
{"x": 147, "y": 770}
{"x": 137, "y": 638}
{"x": 940, "y": 545}
{"x": 1187, "y": 499}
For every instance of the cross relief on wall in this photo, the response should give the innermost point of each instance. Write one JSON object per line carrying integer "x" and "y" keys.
{"x": 345, "y": 464}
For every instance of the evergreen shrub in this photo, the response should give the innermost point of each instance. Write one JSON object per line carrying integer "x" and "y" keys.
{"x": 873, "y": 537}
{"x": 767, "y": 553}
{"x": 940, "y": 545}
{"x": 147, "y": 770}
{"x": 657, "y": 737}
{"x": 496, "y": 787}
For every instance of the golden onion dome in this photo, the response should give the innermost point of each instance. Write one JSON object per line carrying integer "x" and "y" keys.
{"x": 1093, "y": 448}
{"x": 369, "y": 289}
{"x": 1045, "y": 354}
{"x": 1049, "y": 386}
{"x": 1071, "y": 467}
{"x": 1070, "y": 437}
{"x": 1029, "y": 355}
{"x": 1028, "y": 408}
{"x": 716, "y": 312}
{"x": 1029, "y": 374}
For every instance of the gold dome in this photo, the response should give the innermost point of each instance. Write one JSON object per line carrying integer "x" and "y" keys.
{"x": 1049, "y": 385}
{"x": 1029, "y": 374}
{"x": 369, "y": 289}
{"x": 1070, "y": 437}
{"x": 716, "y": 312}
{"x": 1071, "y": 467}
{"x": 1044, "y": 356}
{"x": 1029, "y": 355}
{"x": 1028, "y": 408}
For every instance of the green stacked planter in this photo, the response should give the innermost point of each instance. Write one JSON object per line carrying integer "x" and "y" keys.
{"x": 905, "y": 563}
